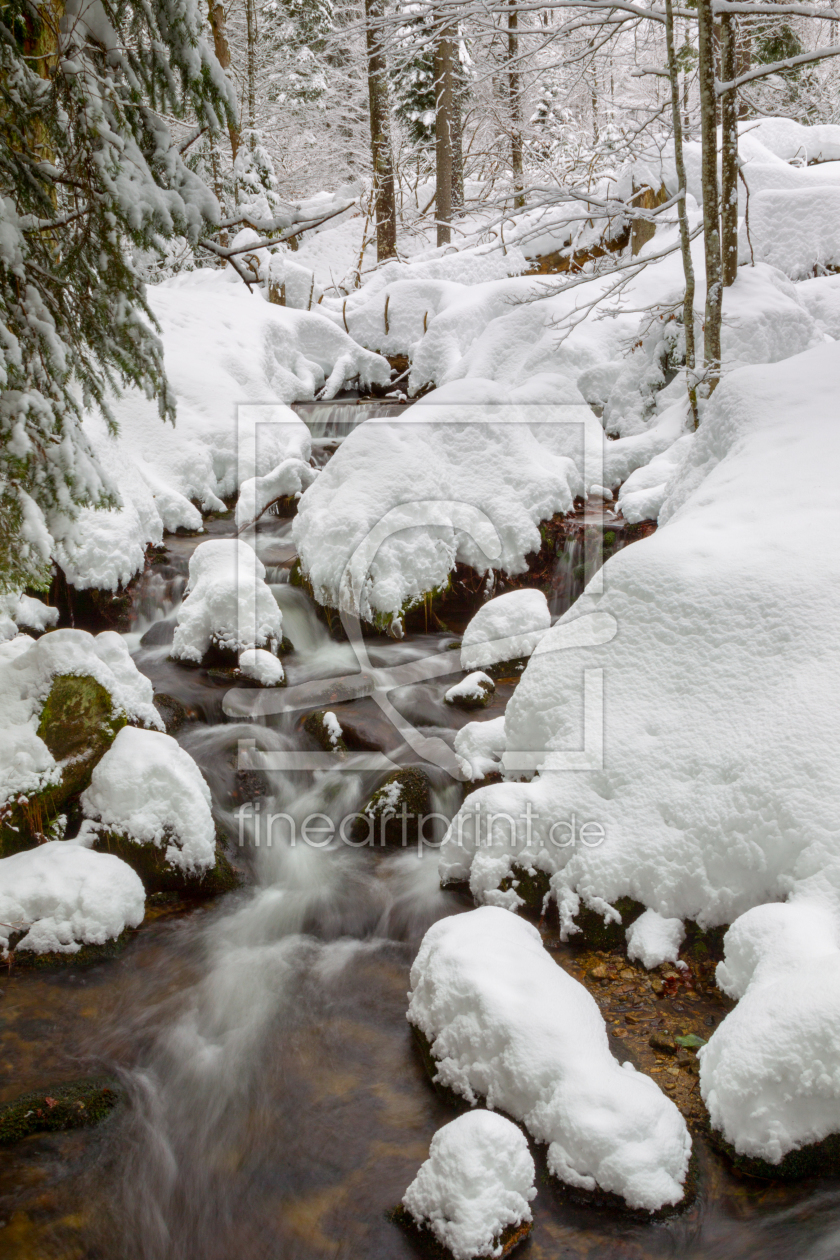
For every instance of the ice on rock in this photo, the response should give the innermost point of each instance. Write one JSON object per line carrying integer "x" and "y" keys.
{"x": 148, "y": 789}
{"x": 505, "y": 628}
{"x": 480, "y": 745}
{"x": 227, "y": 603}
{"x": 27, "y": 670}
{"x": 262, "y": 666}
{"x": 64, "y": 896}
{"x": 477, "y": 1182}
{"x": 654, "y": 940}
{"x": 506, "y": 1023}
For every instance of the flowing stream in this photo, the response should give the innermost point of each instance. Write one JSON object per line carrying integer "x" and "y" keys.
{"x": 277, "y": 1106}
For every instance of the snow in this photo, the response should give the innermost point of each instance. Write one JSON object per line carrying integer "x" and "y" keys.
{"x": 227, "y": 603}
{"x": 654, "y": 940}
{"x": 27, "y": 670}
{"x": 795, "y": 230}
{"x": 507, "y": 1023}
{"x": 505, "y": 628}
{"x": 67, "y": 896}
{"x": 333, "y": 728}
{"x": 148, "y": 789}
{"x": 477, "y": 1182}
{"x": 223, "y": 347}
{"x": 260, "y": 665}
{"x": 18, "y": 611}
{"x": 643, "y": 493}
{"x": 480, "y": 745}
{"x": 474, "y": 687}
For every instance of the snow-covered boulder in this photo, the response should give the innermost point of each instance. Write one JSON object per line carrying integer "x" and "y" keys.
{"x": 480, "y": 745}
{"x": 22, "y": 612}
{"x": 654, "y": 940}
{"x": 505, "y": 628}
{"x": 262, "y": 667}
{"x": 505, "y": 1022}
{"x": 147, "y": 790}
{"x": 476, "y": 1187}
{"x": 227, "y": 605}
{"x": 62, "y": 897}
{"x": 473, "y": 692}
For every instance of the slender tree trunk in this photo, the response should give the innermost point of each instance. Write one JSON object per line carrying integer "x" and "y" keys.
{"x": 444, "y": 102}
{"x": 711, "y": 195}
{"x": 380, "y": 136}
{"x": 685, "y": 241}
{"x": 729, "y": 154}
{"x": 457, "y": 157}
{"x": 515, "y": 99}
{"x": 251, "y": 19}
{"x": 221, "y": 48}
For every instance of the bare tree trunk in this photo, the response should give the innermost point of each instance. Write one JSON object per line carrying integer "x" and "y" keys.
{"x": 515, "y": 99}
{"x": 729, "y": 153}
{"x": 251, "y": 19}
{"x": 457, "y": 157}
{"x": 685, "y": 240}
{"x": 711, "y": 195}
{"x": 221, "y": 48}
{"x": 380, "y": 136}
{"x": 444, "y": 101}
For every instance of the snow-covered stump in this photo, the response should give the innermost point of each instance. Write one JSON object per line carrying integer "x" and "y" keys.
{"x": 228, "y": 608}
{"x": 148, "y": 803}
{"x": 473, "y": 1193}
{"x": 506, "y": 628}
{"x": 59, "y": 901}
{"x": 504, "y": 1022}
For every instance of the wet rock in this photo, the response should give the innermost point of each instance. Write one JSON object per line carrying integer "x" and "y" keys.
{"x": 428, "y": 1245}
{"x": 323, "y": 726}
{"x": 160, "y": 634}
{"x": 596, "y": 933}
{"x": 74, "y": 1105}
{"x": 531, "y": 885}
{"x": 160, "y": 876}
{"x": 473, "y": 692}
{"x": 174, "y": 712}
{"x": 663, "y": 1043}
{"x": 394, "y": 813}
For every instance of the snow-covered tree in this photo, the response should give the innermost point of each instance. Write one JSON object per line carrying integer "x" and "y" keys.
{"x": 87, "y": 168}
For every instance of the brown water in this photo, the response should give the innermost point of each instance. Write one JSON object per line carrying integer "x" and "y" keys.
{"x": 277, "y": 1107}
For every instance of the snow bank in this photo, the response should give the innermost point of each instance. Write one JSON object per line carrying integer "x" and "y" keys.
{"x": 67, "y": 896}
{"x": 148, "y": 789}
{"x": 797, "y": 231}
{"x": 505, "y": 628}
{"x": 27, "y": 670}
{"x": 505, "y": 1022}
{"x": 477, "y": 1182}
{"x": 260, "y": 665}
{"x": 227, "y": 603}
{"x": 223, "y": 347}
{"x": 480, "y": 746}
{"x": 654, "y": 940}
{"x": 703, "y": 802}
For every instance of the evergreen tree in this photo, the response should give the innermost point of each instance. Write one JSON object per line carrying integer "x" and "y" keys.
{"x": 87, "y": 167}
{"x": 296, "y": 35}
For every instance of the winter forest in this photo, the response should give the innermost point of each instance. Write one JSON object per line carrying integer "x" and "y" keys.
{"x": 419, "y": 801}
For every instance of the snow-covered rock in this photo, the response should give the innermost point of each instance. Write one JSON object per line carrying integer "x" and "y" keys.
{"x": 227, "y": 603}
{"x": 480, "y": 745}
{"x": 505, "y": 628}
{"x": 505, "y": 1022}
{"x": 477, "y": 1182}
{"x": 654, "y": 940}
{"x": 148, "y": 789}
{"x": 472, "y": 692}
{"x": 66, "y": 896}
{"x": 27, "y": 670}
{"x": 23, "y": 612}
{"x": 262, "y": 666}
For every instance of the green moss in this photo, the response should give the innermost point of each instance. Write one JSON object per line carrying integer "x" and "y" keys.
{"x": 158, "y": 875}
{"x": 87, "y": 956}
{"x": 531, "y": 886}
{"x": 819, "y": 1159}
{"x": 75, "y": 1105}
{"x": 316, "y": 729}
{"x": 414, "y": 797}
{"x": 596, "y": 933}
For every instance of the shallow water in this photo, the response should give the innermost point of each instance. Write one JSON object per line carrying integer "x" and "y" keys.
{"x": 277, "y": 1105}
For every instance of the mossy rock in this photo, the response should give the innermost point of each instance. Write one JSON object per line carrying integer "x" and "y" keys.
{"x": 444, "y": 1093}
{"x": 158, "y": 875}
{"x": 404, "y": 790}
{"x": 174, "y": 712}
{"x": 596, "y": 933}
{"x": 316, "y": 728}
{"x": 86, "y": 956}
{"x": 532, "y": 886}
{"x": 428, "y": 1245}
{"x": 818, "y": 1159}
{"x": 485, "y": 689}
{"x": 75, "y": 1105}
{"x": 78, "y": 725}
{"x": 703, "y": 944}
{"x": 507, "y": 669}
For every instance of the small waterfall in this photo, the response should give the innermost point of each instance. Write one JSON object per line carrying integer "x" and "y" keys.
{"x": 338, "y": 417}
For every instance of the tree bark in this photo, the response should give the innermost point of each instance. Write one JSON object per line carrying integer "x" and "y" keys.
{"x": 444, "y": 103}
{"x": 457, "y": 157}
{"x": 515, "y": 99}
{"x": 251, "y": 20}
{"x": 682, "y": 214}
{"x": 711, "y": 195}
{"x": 729, "y": 153}
{"x": 221, "y": 47}
{"x": 380, "y": 136}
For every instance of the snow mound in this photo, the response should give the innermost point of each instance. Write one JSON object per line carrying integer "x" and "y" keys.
{"x": 148, "y": 789}
{"x": 227, "y": 603}
{"x": 459, "y": 477}
{"x": 477, "y": 1182}
{"x": 67, "y": 896}
{"x": 22, "y": 611}
{"x": 260, "y": 665}
{"x": 27, "y": 670}
{"x": 654, "y": 940}
{"x": 223, "y": 347}
{"x": 504, "y": 1021}
{"x": 796, "y": 230}
{"x": 480, "y": 745}
{"x": 505, "y": 628}
{"x": 473, "y": 689}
